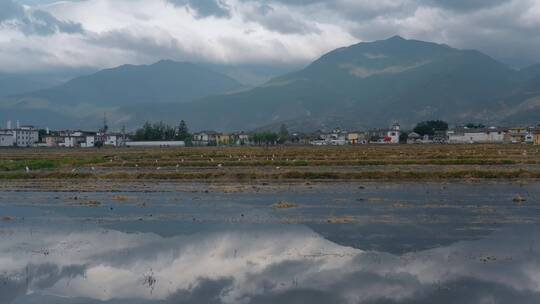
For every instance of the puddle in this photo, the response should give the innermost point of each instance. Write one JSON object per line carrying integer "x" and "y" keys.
{"x": 212, "y": 247}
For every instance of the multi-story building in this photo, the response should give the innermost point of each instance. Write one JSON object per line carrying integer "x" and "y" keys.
{"x": 241, "y": 138}
{"x": 536, "y": 138}
{"x": 23, "y": 136}
{"x": 385, "y": 136}
{"x": 392, "y": 135}
{"x": 6, "y": 139}
{"x": 69, "y": 139}
{"x": 205, "y": 138}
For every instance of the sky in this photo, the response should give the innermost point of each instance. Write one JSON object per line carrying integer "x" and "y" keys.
{"x": 43, "y": 35}
{"x": 223, "y": 265}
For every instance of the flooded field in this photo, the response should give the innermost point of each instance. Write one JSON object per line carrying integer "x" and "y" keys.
{"x": 293, "y": 242}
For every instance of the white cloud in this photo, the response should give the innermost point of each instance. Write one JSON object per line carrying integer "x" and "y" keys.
{"x": 247, "y": 266}
{"x": 105, "y": 33}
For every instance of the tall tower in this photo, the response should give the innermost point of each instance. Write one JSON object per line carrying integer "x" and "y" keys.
{"x": 105, "y": 126}
{"x": 102, "y": 135}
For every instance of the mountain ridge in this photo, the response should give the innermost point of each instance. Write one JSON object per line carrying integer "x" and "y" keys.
{"x": 161, "y": 82}
{"x": 378, "y": 83}
{"x": 369, "y": 84}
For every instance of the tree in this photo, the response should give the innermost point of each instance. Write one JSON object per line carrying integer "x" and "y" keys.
{"x": 475, "y": 126}
{"x": 266, "y": 138}
{"x": 155, "y": 132}
{"x": 403, "y": 136}
{"x": 271, "y": 138}
{"x": 283, "y": 134}
{"x": 169, "y": 133}
{"x": 183, "y": 133}
{"x": 430, "y": 127}
{"x": 41, "y": 134}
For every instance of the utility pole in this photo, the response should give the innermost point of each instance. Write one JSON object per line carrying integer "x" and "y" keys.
{"x": 123, "y": 135}
{"x": 103, "y": 130}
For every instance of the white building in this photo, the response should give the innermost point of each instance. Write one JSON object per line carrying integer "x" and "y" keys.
{"x": 90, "y": 141}
{"x": 241, "y": 138}
{"x": 475, "y": 135}
{"x": 70, "y": 139}
{"x": 111, "y": 140}
{"x": 6, "y": 139}
{"x": 23, "y": 136}
{"x": 392, "y": 135}
{"x": 69, "y": 142}
{"x": 205, "y": 138}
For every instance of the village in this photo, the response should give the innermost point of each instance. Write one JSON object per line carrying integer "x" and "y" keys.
{"x": 23, "y": 136}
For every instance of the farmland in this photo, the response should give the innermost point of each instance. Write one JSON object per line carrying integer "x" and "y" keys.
{"x": 403, "y": 162}
{"x": 156, "y": 221}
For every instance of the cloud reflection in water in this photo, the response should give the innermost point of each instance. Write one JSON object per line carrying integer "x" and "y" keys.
{"x": 287, "y": 264}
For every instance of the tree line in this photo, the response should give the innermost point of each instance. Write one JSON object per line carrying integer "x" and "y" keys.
{"x": 161, "y": 131}
{"x": 271, "y": 138}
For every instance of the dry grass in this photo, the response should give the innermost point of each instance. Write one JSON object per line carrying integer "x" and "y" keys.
{"x": 284, "y": 205}
{"x": 91, "y": 203}
{"x": 342, "y": 220}
{"x": 120, "y": 198}
{"x": 403, "y": 162}
{"x": 230, "y": 189}
{"x": 400, "y": 206}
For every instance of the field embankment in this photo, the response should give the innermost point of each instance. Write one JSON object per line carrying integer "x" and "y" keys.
{"x": 403, "y": 162}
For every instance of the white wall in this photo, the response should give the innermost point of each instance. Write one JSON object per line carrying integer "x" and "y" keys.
{"x": 25, "y": 137}
{"x": 394, "y": 136}
{"x": 155, "y": 144}
{"x": 90, "y": 141}
{"x": 7, "y": 140}
{"x": 476, "y": 137}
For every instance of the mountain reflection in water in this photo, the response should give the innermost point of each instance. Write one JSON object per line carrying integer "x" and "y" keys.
{"x": 259, "y": 264}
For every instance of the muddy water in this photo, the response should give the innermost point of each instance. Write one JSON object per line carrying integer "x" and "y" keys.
{"x": 325, "y": 243}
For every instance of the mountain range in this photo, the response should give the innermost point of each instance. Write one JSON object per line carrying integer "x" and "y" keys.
{"x": 370, "y": 84}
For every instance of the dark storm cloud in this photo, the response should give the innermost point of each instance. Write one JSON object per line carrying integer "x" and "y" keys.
{"x": 281, "y": 22}
{"x": 205, "y": 8}
{"x": 34, "y": 21}
{"x": 461, "y": 5}
{"x": 303, "y": 269}
{"x": 10, "y": 10}
{"x": 467, "y": 291}
{"x": 465, "y": 5}
{"x": 35, "y": 276}
{"x": 206, "y": 291}
{"x": 43, "y": 23}
{"x": 266, "y": 31}
{"x": 142, "y": 46}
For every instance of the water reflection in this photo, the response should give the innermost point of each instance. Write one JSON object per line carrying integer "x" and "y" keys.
{"x": 259, "y": 264}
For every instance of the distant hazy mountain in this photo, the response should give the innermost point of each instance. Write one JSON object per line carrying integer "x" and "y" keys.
{"x": 365, "y": 85}
{"x": 373, "y": 84}
{"x": 162, "y": 82}
{"x": 19, "y": 84}
{"x": 253, "y": 74}
{"x": 85, "y": 99}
